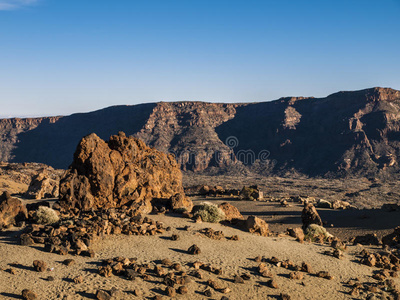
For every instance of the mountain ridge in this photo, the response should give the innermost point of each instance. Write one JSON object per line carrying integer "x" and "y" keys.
{"x": 346, "y": 133}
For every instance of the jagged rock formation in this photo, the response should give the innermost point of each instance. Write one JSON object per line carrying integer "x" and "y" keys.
{"x": 35, "y": 180}
{"x": 122, "y": 172}
{"x": 346, "y": 133}
{"x": 44, "y": 185}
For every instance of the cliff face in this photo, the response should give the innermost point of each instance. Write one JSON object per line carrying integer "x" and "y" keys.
{"x": 355, "y": 133}
{"x": 11, "y": 128}
{"x": 187, "y": 129}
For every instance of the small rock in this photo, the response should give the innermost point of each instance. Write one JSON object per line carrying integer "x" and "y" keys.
{"x": 207, "y": 293}
{"x": 116, "y": 293}
{"x": 137, "y": 292}
{"x": 102, "y": 295}
{"x": 297, "y": 233}
{"x": 238, "y": 279}
{"x": 306, "y": 268}
{"x": 324, "y": 274}
{"x": 78, "y": 279}
{"x": 175, "y": 237}
{"x": 182, "y": 290}
{"x": 258, "y": 259}
{"x": 12, "y": 271}
{"x": 354, "y": 292}
{"x": 296, "y": 275}
{"x": 225, "y": 290}
{"x": 194, "y": 249}
{"x": 28, "y": 294}
{"x": 69, "y": 262}
{"x": 170, "y": 291}
{"x": 166, "y": 262}
{"x": 234, "y": 238}
{"x": 272, "y": 284}
{"x": 177, "y": 267}
{"x": 197, "y": 265}
{"x": 26, "y": 240}
{"x": 39, "y": 265}
{"x": 198, "y": 274}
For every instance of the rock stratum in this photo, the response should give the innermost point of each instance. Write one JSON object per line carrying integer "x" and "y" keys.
{"x": 347, "y": 133}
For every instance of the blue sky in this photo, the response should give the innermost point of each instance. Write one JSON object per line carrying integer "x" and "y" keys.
{"x": 58, "y": 57}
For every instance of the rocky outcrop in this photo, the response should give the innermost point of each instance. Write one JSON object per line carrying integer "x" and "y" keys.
{"x": 44, "y": 185}
{"x": 11, "y": 210}
{"x": 392, "y": 239}
{"x": 347, "y": 133}
{"x": 122, "y": 172}
{"x": 40, "y": 179}
{"x": 310, "y": 216}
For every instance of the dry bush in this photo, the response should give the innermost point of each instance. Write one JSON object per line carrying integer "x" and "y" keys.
{"x": 209, "y": 212}
{"x": 315, "y": 233}
{"x": 46, "y": 215}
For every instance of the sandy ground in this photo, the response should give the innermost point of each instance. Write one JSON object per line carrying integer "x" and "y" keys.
{"x": 234, "y": 257}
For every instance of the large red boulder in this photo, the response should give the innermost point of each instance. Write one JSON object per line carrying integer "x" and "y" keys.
{"x": 122, "y": 172}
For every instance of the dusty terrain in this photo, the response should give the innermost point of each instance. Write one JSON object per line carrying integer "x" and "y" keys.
{"x": 234, "y": 257}
{"x": 361, "y": 192}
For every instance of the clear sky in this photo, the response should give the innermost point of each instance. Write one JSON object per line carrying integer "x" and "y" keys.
{"x": 58, "y": 57}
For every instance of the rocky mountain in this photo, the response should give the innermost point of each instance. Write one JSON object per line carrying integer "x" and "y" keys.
{"x": 346, "y": 133}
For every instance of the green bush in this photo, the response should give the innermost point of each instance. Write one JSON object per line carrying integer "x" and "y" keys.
{"x": 209, "y": 212}
{"x": 46, "y": 215}
{"x": 315, "y": 233}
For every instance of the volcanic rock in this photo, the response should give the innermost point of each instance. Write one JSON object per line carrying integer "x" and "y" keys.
{"x": 251, "y": 193}
{"x": 256, "y": 225}
{"x": 44, "y": 185}
{"x": 11, "y": 210}
{"x": 194, "y": 249}
{"x": 297, "y": 233}
{"x": 69, "y": 262}
{"x": 28, "y": 295}
{"x": 39, "y": 265}
{"x": 170, "y": 291}
{"x": 102, "y": 295}
{"x": 367, "y": 239}
{"x": 231, "y": 212}
{"x": 296, "y": 275}
{"x": 310, "y": 215}
{"x": 272, "y": 284}
{"x": 121, "y": 172}
{"x": 392, "y": 239}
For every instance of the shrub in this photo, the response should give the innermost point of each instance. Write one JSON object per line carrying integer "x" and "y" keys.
{"x": 209, "y": 212}
{"x": 316, "y": 233}
{"x": 46, "y": 215}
